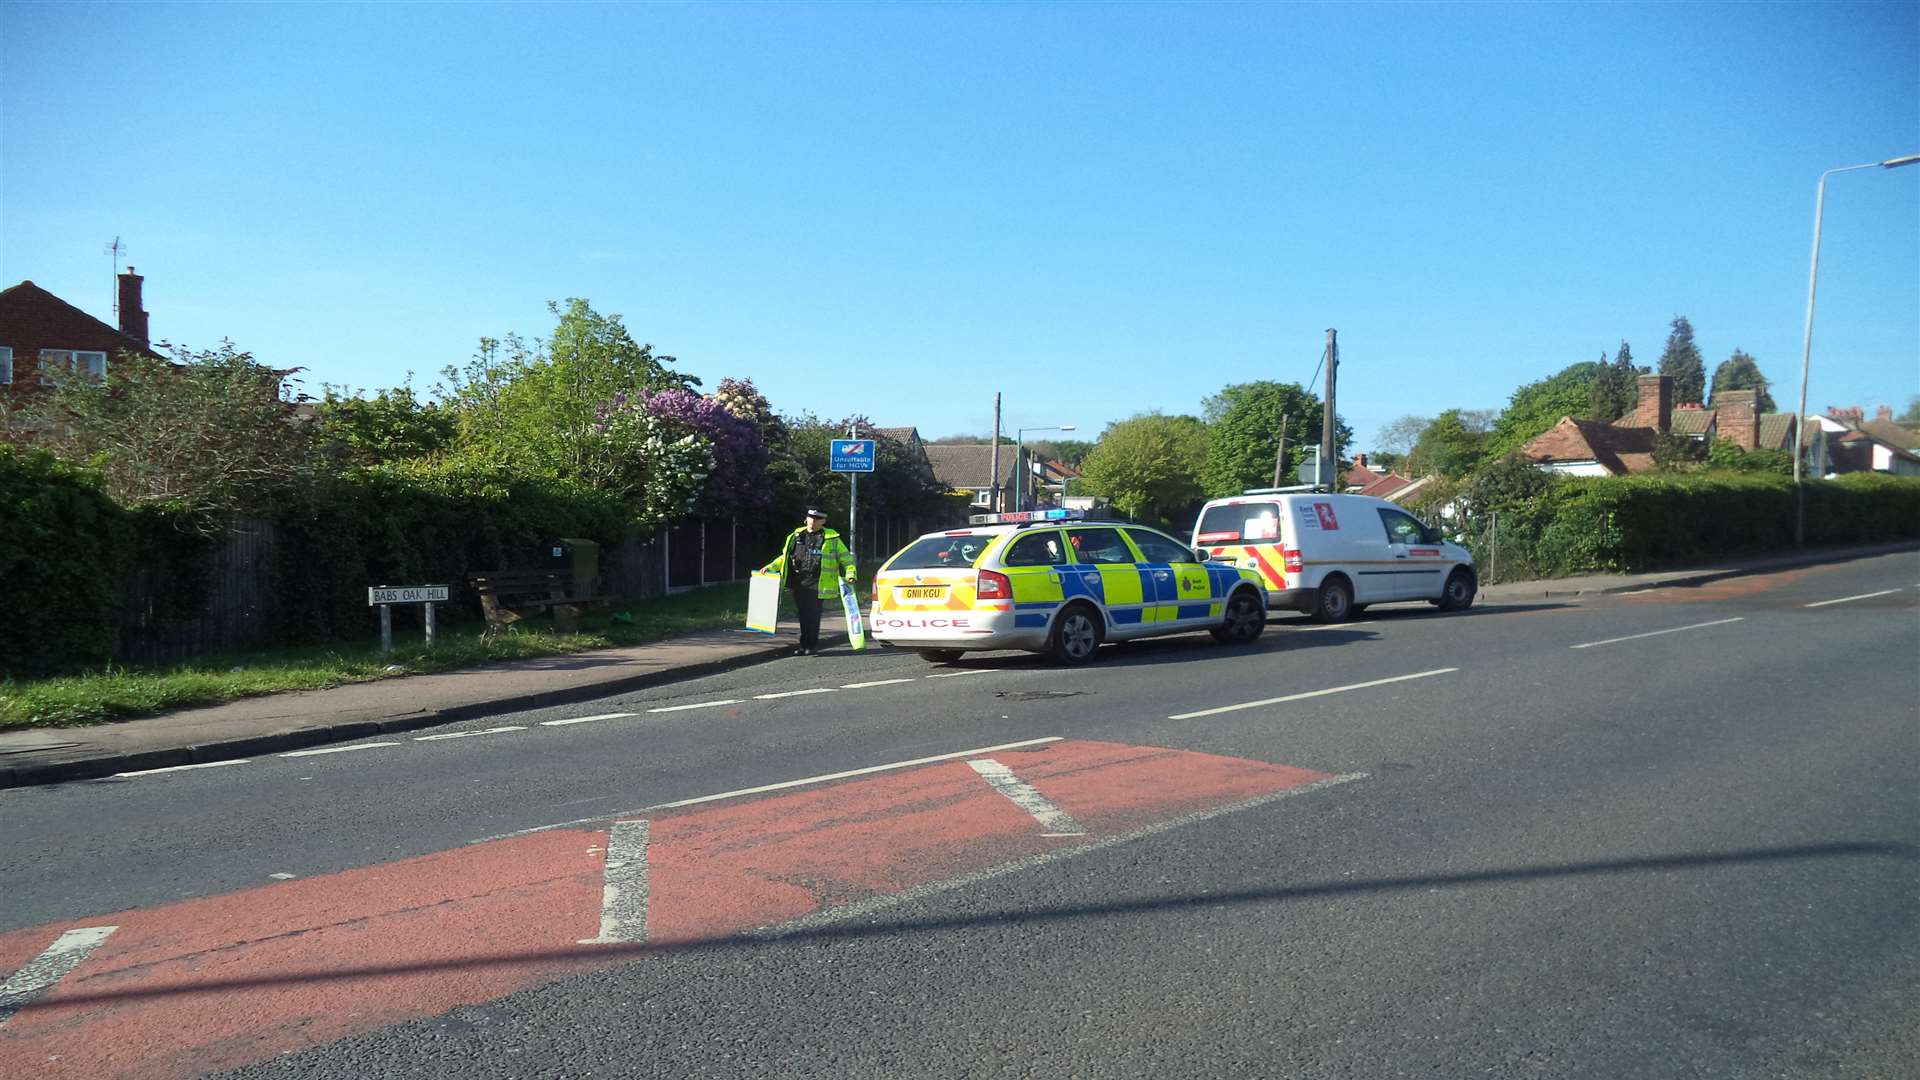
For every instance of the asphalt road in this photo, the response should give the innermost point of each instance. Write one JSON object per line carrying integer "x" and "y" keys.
{"x": 1670, "y": 834}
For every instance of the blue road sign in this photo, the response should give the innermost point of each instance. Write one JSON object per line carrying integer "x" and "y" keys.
{"x": 852, "y": 455}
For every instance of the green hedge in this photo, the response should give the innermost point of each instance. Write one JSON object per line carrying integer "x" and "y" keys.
{"x": 66, "y": 550}
{"x": 1619, "y": 523}
{"x": 63, "y": 552}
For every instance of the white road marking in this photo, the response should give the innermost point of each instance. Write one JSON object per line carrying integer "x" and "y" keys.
{"x": 957, "y": 674}
{"x": 876, "y": 682}
{"x": 1657, "y": 633}
{"x": 796, "y": 693}
{"x": 623, "y": 896}
{"x": 38, "y": 976}
{"x": 182, "y": 768}
{"x": 866, "y": 908}
{"x": 696, "y": 705}
{"x": 1025, "y": 796}
{"x": 337, "y": 749}
{"x": 1309, "y": 694}
{"x": 1862, "y": 596}
{"x": 586, "y": 719}
{"x": 465, "y": 734}
{"x": 977, "y": 751}
{"x": 281, "y": 877}
{"x": 889, "y": 767}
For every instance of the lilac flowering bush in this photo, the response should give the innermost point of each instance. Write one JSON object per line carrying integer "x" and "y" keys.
{"x": 737, "y": 479}
{"x": 658, "y": 467}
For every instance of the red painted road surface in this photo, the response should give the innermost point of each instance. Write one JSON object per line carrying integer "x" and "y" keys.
{"x": 194, "y": 987}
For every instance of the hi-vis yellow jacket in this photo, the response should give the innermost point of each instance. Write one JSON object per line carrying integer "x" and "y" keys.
{"x": 836, "y": 562}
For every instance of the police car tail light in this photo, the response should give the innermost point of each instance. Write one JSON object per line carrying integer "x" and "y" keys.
{"x": 993, "y": 585}
{"x": 1290, "y": 560}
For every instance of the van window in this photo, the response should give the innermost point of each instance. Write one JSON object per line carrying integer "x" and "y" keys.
{"x": 1036, "y": 549}
{"x": 941, "y": 553}
{"x": 1246, "y": 523}
{"x": 1155, "y": 547}
{"x": 1099, "y": 546}
{"x": 1402, "y": 528}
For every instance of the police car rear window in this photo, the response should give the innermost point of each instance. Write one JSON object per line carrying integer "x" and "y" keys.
{"x": 941, "y": 553}
{"x": 1246, "y": 523}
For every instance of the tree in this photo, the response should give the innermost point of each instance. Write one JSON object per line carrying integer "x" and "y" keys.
{"x": 1740, "y": 372}
{"x": 1616, "y": 387}
{"x": 1149, "y": 465}
{"x": 1727, "y": 454}
{"x": 392, "y": 425}
{"x": 1399, "y": 437}
{"x": 1243, "y": 431}
{"x": 1067, "y": 451}
{"x": 1682, "y": 363}
{"x": 1448, "y": 447}
{"x": 210, "y": 433}
{"x": 1538, "y": 406}
{"x": 1911, "y": 417}
{"x": 571, "y": 406}
{"x": 737, "y": 481}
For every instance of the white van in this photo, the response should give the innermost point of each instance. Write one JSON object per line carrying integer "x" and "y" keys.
{"x": 1333, "y": 555}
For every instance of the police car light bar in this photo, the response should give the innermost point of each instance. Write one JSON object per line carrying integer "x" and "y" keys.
{"x": 1025, "y": 517}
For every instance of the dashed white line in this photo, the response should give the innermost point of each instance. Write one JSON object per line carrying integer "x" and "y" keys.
{"x": 1056, "y": 821}
{"x": 623, "y": 893}
{"x": 696, "y": 705}
{"x": 337, "y": 749}
{"x": 182, "y": 768}
{"x": 876, "y": 682}
{"x": 57, "y": 962}
{"x": 465, "y": 734}
{"x": 797, "y": 693}
{"x": 1862, "y": 596}
{"x": 586, "y": 719}
{"x": 1309, "y": 694}
{"x": 957, "y": 674}
{"x": 1657, "y": 633}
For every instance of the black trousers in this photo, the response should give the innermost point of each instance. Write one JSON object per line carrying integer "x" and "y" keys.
{"x": 807, "y": 600}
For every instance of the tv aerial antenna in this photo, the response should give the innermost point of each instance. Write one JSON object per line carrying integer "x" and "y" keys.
{"x": 118, "y": 250}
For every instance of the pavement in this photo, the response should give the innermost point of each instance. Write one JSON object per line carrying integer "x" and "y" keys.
{"x": 292, "y": 721}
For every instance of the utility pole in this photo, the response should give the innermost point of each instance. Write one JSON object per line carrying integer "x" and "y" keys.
{"x": 1280, "y": 455}
{"x": 1329, "y": 464}
{"x": 993, "y": 477}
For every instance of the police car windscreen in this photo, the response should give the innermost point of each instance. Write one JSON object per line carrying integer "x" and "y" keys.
{"x": 940, "y": 553}
{"x": 1246, "y": 523}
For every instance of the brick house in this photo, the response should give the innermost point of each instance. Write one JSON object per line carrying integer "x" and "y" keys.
{"x": 1591, "y": 448}
{"x": 42, "y": 336}
{"x": 1852, "y": 443}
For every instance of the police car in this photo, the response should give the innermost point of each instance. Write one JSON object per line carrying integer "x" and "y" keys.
{"x": 1052, "y": 581}
{"x": 1331, "y": 555}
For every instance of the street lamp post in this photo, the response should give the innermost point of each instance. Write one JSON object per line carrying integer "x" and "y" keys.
{"x": 1806, "y": 341}
{"x": 1019, "y": 461}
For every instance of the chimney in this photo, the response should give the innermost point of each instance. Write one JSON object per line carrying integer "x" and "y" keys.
{"x": 1361, "y": 459}
{"x": 1884, "y": 412}
{"x": 133, "y": 320}
{"x": 1656, "y": 403}
{"x": 1737, "y": 417}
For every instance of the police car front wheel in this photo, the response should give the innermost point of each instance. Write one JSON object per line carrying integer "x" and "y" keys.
{"x": 1244, "y": 621}
{"x": 1076, "y": 636}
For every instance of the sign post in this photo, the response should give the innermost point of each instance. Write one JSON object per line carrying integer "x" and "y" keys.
{"x": 385, "y": 596}
{"x": 853, "y": 457}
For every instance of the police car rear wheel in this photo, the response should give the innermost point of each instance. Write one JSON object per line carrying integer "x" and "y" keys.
{"x": 1244, "y": 621}
{"x": 1076, "y": 636}
{"x": 1336, "y": 601}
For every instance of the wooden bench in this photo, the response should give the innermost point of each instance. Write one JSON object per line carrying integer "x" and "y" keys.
{"x": 507, "y": 596}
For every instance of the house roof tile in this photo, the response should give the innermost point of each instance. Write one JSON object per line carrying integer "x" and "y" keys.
{"x": 1616, "y": 449}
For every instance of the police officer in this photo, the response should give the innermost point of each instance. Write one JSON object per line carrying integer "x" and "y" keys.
{"x": 811, "y": 565}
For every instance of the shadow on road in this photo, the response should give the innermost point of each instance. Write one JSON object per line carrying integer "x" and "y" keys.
{"x": 597, "y": 956}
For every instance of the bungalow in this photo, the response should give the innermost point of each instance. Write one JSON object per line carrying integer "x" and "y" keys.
{"x": 1591, "y": 448}
{"x": 967, "y": 469}
{"x": 1852, "y": 443}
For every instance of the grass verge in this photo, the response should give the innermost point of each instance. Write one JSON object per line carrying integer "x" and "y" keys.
{"x": 119, "y": 693}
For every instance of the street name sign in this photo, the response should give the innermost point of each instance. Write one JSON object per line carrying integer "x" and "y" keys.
{"x": 852, "y": 455}
{"x": 412, "y": 594}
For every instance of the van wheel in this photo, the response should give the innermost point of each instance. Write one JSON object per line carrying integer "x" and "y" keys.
{"x": 939, "y": 656}
{"x": 1458, "y": 593}
{"x": 1336, "y": 601}
{"x": 1076, "y": 636}
{"x": 1244, "y": 620}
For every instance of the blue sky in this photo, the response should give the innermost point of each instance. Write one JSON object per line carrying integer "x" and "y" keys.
{"x": 898, "y": 210}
